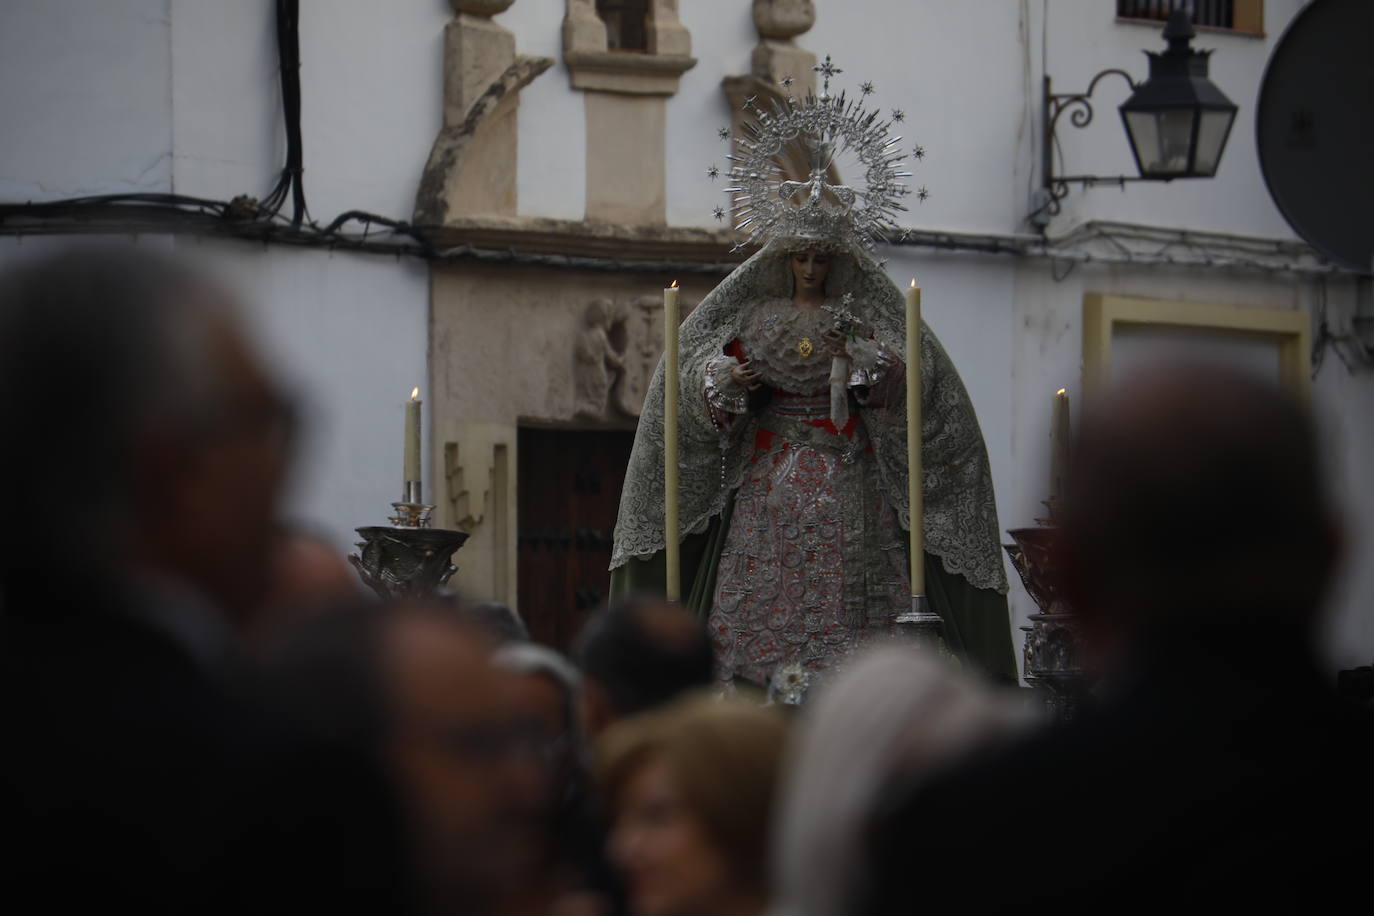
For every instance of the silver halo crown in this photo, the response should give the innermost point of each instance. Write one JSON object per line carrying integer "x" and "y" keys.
{"x": 768, "y": 206}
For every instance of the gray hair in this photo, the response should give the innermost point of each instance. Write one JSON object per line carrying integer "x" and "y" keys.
{"x": 532, "y": 658}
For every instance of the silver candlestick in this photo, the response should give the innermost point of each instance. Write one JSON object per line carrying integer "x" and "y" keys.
{"x": 1053, "y": 651}
{"x": 921, "y": 623}
{"x": 409, "y": 558}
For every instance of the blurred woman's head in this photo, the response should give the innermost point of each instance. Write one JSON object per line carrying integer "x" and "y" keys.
{"x": 892, "y": 718}
{"x": 690, "y": 791}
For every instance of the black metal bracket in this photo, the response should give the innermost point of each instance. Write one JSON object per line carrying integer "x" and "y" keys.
{"x": 1056, "y": 187}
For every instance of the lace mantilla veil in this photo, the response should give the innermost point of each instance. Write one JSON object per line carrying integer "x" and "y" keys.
{"x": 960, "y": 510}
{"x": 786, "y": 216}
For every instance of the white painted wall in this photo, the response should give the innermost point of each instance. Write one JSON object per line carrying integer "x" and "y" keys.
{"x": 551, "y": 174}
{"x": 723, "y": 37}
{"x": 371, "y": 86}
{"x": 84, "y": 91}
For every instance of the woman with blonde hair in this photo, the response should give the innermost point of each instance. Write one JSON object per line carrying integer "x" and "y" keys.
{"x": 689, "y": 790}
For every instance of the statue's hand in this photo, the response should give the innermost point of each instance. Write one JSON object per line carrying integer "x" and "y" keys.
{"x": 835, "y": 343}
{"x": 746, "y": 376}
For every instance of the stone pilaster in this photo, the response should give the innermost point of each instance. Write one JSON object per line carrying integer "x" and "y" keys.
{"x": 776, "y": 60}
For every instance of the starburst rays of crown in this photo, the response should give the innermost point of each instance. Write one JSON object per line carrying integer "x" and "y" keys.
{"x": 768, "y": 205}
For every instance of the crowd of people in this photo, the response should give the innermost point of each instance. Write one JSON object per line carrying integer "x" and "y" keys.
{"x": 205, "y": 712}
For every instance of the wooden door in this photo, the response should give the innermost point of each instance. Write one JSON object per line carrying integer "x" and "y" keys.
{"x": 570, "y": 483}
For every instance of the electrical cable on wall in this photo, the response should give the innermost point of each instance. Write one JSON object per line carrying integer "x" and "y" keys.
{"x": 244, "y": 216}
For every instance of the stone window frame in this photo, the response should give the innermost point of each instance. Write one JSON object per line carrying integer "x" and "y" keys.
{"x": 593, "y": 66}
{"x": 1290, "y": 330}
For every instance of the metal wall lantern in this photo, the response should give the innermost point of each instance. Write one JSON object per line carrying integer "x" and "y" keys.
{"x": 1177, "y": 121}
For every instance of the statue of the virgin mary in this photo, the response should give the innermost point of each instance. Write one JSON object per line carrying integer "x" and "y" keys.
{"x": 793, "y": 465}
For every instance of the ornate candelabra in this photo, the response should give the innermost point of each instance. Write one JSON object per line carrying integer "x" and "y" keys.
{"x": 1053, "y": 650}
{"x": 407, "y": 559}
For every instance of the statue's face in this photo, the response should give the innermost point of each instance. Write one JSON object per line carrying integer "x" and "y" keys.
{"x": 809, "y": 270}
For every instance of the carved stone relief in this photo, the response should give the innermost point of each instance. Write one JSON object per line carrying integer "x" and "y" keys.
{"x": 643, "y": 347}
{"x": 597, "y": 362}
{"x": 615, "y": 355}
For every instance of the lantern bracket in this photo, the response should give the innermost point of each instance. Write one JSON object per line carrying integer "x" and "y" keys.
{"x": 1177, "y": 89}
{"x": 1055, "y": 188}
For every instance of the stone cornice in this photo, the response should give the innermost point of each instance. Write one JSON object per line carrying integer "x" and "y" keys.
{"x": 627, "y": 71}
{"x": 539, "y": 235}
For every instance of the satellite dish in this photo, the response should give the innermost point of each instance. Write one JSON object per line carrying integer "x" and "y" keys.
{"x": 1315, "y": 130}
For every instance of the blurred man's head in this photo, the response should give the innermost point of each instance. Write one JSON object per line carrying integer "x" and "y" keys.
{"x": 457, "y": 748}
{"x": 499, "y": 621}
{"x": 308, "y": 576}
{"x": 1195, "y": 501}
{"x": 414, "y": 687}
{"x": 137, "y": 395}
{"x": 639, "y": 655}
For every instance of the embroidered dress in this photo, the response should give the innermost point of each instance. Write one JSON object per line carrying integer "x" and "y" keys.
{"x": 813, "y": 564}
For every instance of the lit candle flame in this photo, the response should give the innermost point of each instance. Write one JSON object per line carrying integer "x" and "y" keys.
{"x": 1062, "y": 391}
{"x": 913, "y": 282}
{"x": 673, "y": 285}
{"x": 415, "y": 393}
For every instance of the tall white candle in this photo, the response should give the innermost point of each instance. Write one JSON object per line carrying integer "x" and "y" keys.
{"x": 1059, "y": 443}
{"x": 412, "y": 441}
{"x": 672, "y": 557}
{"x": 915, "y": 493}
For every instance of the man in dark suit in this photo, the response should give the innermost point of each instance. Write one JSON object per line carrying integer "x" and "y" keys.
{"x": 1219, "y": 770}
{"x": 146, "y": 447}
